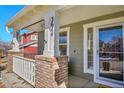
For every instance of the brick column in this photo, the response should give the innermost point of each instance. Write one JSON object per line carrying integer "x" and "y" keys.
{"x": 51, "y": 72}
{"x": 10, "y": 55}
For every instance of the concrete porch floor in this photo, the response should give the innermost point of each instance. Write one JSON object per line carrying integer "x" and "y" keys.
{"x": 12, "y": 80}
{"x": 77, "y": 82}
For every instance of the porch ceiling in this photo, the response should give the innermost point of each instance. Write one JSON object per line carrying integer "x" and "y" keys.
{"x": 31, "y": 14}
{"x": 37, "y": 26}
{"x": 21, "y": 17}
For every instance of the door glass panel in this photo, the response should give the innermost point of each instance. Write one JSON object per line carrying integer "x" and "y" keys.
{"x": 111, "y": 53}
{"x": 90, "y": 48}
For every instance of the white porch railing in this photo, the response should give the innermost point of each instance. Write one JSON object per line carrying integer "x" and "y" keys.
{"x": 25, "y": 68}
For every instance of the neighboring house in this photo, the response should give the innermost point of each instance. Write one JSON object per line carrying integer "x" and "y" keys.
{"x": 28, "y": 44}
{"x": 91, "y": 36}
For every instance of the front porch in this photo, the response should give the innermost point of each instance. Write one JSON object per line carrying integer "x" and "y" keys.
{"x": 76, "y": 35}
{"x": 12, "y": 80}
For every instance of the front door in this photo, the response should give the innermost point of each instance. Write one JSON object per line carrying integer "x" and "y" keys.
{"x": 110, "y": 54}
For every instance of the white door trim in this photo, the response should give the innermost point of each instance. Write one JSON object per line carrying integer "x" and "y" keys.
{"x": 95, "y": 46}
{"x": 99, "y": 79}
{"x": 85, "y": 57}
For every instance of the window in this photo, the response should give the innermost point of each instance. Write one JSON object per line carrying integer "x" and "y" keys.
{"x": 88, "y": 50}
{"x": 64, "y": 41}
{"x": 33, "y": 37}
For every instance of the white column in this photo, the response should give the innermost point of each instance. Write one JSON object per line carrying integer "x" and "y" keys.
{"x": 51, "y": 47}
{"x": 15, "y": 44}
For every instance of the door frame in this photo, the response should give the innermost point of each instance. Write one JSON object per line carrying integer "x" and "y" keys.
{"x": 95, "y": 26}
{"x": 103, "y": 79}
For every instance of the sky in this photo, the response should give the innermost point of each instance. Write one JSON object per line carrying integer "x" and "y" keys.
{"x": 6, "y": 13}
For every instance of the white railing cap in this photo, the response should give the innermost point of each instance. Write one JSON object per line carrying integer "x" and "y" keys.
{"x": 21, "y": 57}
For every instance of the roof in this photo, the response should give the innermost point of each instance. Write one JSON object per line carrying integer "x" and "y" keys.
{"x": 19, "y": 14}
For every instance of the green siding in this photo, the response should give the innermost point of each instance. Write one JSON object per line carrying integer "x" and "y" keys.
{"x": 76, "y": 44}
{"x": 76, "y": 51}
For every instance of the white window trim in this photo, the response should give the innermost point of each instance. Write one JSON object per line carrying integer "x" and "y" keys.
{"x": 67, "y": 29}
{"x": 95, "y": 25}
{"x": 32, "y": 37}
{"x": 85, "y": 54}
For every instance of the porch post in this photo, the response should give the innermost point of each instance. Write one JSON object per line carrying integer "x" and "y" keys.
{"x": 51, "y": 41}
{"x": 15, "y": 44}
{"x": 51, "y": 68}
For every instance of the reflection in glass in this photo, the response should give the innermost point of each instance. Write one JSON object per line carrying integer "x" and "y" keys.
{"x": 63, "y": 37}
{"x": 90, "y": 47}
{"x": 111, "y": 53}
{"x": 63, "y": 49}
{"x": 63, "y": 42}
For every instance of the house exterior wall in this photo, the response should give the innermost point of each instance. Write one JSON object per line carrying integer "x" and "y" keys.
{"x": 76, "y": 51}
{"x": 27, "y": 38}
{"x": 76, "y": 44}
{"x": 31, "y": 48}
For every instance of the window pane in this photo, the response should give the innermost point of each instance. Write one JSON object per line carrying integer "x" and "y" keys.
{"x": 63, "y": 49}
{"x": 90, "y": 48}
{"x": 63, "y": 37}
{"x": 111, "y": 52}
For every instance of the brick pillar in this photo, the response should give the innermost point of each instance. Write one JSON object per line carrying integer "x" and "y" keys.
{"x": 51, "y": 72}
{"x": 10, "y": 55}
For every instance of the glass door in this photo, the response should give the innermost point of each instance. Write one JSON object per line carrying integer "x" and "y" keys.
{"x": 110, "y": 54}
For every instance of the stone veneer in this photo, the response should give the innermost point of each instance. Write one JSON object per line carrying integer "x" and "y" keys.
{"x": 51, "y": 72}
{"x": 10, "y": 55}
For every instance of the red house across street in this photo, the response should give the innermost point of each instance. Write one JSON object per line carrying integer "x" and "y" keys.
{"x": 28, "y": 44}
